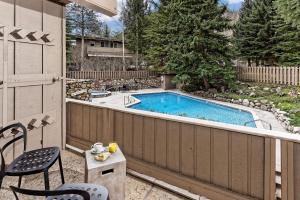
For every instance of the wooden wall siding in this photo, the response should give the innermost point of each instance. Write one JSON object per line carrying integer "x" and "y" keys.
{"x": 107, "y": 75}
{"x": 276, "y": 75}
{"x": 28, "y": 68}
{"x": 233, "y": 162}
{"x": 290, "y": 170}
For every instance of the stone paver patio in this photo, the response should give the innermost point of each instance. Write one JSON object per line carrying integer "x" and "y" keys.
{"x": 73, "y": 164}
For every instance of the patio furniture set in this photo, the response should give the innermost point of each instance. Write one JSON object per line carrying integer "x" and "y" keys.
{"x": 40, "y": 160}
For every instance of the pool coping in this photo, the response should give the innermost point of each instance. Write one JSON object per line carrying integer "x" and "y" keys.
{"x": 230, "y": 105}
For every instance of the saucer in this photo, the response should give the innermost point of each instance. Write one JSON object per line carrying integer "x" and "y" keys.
{"x": 93, "y": 151}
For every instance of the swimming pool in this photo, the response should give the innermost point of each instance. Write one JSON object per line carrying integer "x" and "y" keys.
{"x": 185, "y": 106}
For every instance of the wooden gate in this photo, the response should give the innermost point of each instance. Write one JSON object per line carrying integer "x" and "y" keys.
{"x": 32, "y": 71}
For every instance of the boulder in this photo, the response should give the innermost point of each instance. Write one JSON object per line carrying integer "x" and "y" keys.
{"x": 264, "y": 101}
{"x": 258, "y": 104}
{"x": 252, "y": 94}
{"x": 279, "y": 90}
{"x": 264, "y": 107}
{"x": 296, "y": 130}
{"x": 294, "y": 111}
{"x": 213, "y": 90}
{"x": 246, "y": 102}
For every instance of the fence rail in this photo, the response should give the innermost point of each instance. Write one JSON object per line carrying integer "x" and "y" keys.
{"x": 108, "y": 75}
{"x": 275, "y": 75}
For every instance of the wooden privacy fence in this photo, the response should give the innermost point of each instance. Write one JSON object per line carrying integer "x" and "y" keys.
{"x": 218, "y": 161}
{"x": 276, "y": 75}
{"x": 109, "y": 75}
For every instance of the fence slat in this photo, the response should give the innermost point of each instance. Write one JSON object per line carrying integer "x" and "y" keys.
{"x": 275, "y": 75}
{"x": 106, "y": 75}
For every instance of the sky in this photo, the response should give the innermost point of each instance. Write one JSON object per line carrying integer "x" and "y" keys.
{"x": 115, "y": 25}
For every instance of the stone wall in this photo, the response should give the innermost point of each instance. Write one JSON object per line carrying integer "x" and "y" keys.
{"x": 80, "y": 89}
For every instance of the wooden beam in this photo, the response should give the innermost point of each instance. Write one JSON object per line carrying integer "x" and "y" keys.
{"x": 5, "y": 72}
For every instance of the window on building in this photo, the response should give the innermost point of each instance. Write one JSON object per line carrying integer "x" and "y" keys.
{"x": 92, "y": 43}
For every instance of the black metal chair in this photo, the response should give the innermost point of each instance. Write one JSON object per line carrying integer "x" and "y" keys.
{"x": 31, "y": 162}
{"x": 82, "y": 191}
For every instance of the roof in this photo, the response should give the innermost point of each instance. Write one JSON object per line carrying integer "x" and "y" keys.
{"x": 106, "y": 7}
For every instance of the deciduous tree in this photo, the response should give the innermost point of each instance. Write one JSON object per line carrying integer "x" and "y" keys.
{"x": 83, "y": 22}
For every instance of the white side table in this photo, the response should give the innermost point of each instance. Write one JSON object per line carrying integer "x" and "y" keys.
{"x": 110, "y": 173}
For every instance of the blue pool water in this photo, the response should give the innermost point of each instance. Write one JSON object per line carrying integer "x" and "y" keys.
{"x": 181, "y": 105}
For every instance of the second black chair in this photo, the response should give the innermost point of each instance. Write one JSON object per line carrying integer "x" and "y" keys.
{"x": 76, "y": 191}
{"x": 31, "y": 162}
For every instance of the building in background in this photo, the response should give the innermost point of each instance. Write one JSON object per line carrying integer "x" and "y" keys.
{"x": 100, "y": 54}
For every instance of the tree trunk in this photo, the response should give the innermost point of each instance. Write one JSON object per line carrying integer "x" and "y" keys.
{"x": 82, "y": 40}
{"x": 82, "y": 53}
{"x": 206, "y": 84}
{"x": 249, "y": 62}
{"x": 137, "y": 43}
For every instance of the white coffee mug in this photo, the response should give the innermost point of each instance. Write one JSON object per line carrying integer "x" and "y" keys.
{"x": 97, "y": 147}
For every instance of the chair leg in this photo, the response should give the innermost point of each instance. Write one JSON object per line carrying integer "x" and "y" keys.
{"x": 20, "y": 181}
{"x": 46, "y": 179}
{"x": 61, "y": 170}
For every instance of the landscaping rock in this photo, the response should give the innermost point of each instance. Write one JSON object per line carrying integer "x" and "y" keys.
{"x": 80, "y": 88}
{"x": 266, "y": 89}
{"x": 258, "y": 104}
{"x": 294, "y": 111}
{"x": 252, "y": 94}
{"x": 279, "y": 90}
{"x": 246, "y": 102}
{"x": 296, "y": 130}
{"x": 264, "y": 101}
{"x": 213, "y": 91}
{"x": 264, "y": 107}
{"x": 281, "y": 112}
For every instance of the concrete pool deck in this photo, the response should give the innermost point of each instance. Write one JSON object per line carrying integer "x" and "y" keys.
{"x": 119, "y": 99}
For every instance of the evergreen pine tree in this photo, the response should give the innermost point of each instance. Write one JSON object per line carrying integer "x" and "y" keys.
{"x": 289, "y": 11}
{"x": 197, "y": 50}
{"x": 256, "y": 43}
{"x": 155, "y": 37}
{"x": 287, "y": 43}
{"x": 242, "y": 35}
{"x": 133, "y": 16}
{"x": 263, "y": 15}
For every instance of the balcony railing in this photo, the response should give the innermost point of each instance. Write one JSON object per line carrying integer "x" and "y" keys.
{"x": 222, "y": 162}
{"x": 107, "y": 52}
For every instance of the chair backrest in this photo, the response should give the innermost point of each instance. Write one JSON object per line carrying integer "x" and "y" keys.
{"x": 51, "y": 193}
{"x": 23, "y": 136}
